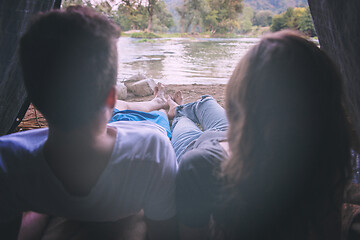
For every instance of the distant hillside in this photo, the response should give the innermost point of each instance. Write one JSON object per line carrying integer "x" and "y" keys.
{"x": 275, "y": 6}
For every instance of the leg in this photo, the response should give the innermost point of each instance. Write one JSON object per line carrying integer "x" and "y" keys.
{"x": 184, "y": 131}
{"x": 33, "y": 225}
{"x": 163, "y": 111}
{"x": 157, "y": 103}
{"x": 206, "y": 112}
{"x": 152, "y": 111}
{"x": 184, "y": 134}
{"x": 174, "y": 103}
{"x": 210, "y": 114}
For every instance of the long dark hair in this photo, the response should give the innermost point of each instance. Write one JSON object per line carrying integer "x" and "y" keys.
{"x": 289, "y": 143}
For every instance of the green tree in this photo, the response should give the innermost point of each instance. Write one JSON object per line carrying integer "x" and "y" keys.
{"x": 289, "y": 18}
{"x": 211, "y": 21}
{"x": 193, "y": 13}
{"x": 245, "y": 19}
{"x": 228, "y": 14}
{"x": 134, "y": 15}
{"x": 278, "y": 23}
{"x": 67, "y": 3}
{"x": 216, "y": 16}
{"x": 131, "y": 15}
{"x": 245, "y": 26}
{"x": 163, "y": 19}
{"x": 157, "y": 9}
{"x": 105, "y": 8}
{"x": 263, "y": 18}
{"x": 306, "y": 24}
{"x": 183, "y": 15}
{"x": 297, "y": 19}
{"x": 151, "y": 4}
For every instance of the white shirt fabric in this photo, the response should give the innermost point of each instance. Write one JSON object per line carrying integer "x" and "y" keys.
{"x": 139, "y": 175}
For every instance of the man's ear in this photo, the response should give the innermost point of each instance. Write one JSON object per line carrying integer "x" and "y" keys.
{"x": 111, "y": 98}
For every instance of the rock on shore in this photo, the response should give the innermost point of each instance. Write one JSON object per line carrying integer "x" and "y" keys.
{"x": 137, "y": 85}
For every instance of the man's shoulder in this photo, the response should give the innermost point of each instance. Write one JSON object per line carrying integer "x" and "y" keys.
{"x": 135, "y": 131}
{"x": 143, "y": 141}
{"x": 30, "y": 140}
{"x": 19, "y": 146}
{"x": 27, "y": 138}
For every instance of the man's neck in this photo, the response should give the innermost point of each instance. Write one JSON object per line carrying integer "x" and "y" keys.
{"x": 88, "y": 134}
{"x": 79, "y": 156}
{"x": 85, "y": 135}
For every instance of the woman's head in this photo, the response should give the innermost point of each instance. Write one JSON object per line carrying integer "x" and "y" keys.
{"x": 287, "y": 132}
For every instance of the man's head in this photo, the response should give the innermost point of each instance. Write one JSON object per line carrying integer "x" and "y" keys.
{"x": 69, "y": 64}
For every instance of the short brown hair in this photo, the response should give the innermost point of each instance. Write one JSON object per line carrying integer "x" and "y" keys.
{"x": 69, "y": 64}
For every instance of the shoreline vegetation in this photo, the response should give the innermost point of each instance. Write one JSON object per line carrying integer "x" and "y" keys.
{"x": 256, "y": 32}
{"x": 33, "y": 119}
{"x": 203, "y": 19}
{"x": 150, "y": 37}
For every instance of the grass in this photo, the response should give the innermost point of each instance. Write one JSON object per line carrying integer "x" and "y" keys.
{"x": 225, "y": 35}
{"x": 146, "y": 40}
{"x": 146, "y": 35}
{"x": 169, "y": 35}
{"x": 123, "y": 34}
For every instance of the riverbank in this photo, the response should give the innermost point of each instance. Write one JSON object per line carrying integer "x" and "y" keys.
{"x": 34, "y": 119}
{"x": 191, "y": 92}
{"x": 255, "y": 32}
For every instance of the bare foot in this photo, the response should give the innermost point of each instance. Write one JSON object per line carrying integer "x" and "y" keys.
{"x": 172, "y": 107}
{"x": 156, "y": 89}
{"x": 178, "y": 97}
{"x": 159, "y": 96}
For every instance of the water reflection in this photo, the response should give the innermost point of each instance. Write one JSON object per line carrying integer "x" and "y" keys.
{"x": 182, "y": 61}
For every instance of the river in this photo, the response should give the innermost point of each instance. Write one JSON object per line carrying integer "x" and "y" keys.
{"x": 182, "y": 60}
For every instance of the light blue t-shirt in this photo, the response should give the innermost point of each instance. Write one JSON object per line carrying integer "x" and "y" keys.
{"x": 139, "y": 175}
{"x": 157, "y": 117}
